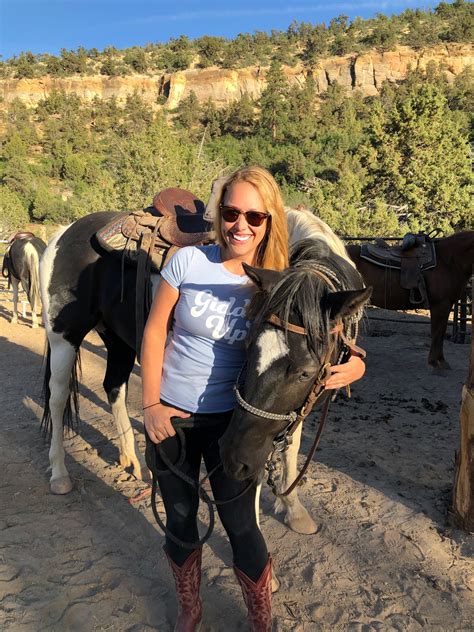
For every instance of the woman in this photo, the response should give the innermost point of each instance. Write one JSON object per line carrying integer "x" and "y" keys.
{"x": 204, "y": 293}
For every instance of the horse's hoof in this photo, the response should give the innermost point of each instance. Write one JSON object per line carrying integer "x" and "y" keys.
{"x": 61, "y": 485}
{"x": 125, "y": 461}
{"x": 302, "y": 524}
{"x": 34, "y": 326}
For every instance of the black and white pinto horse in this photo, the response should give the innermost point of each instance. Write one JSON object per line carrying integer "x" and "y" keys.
{"x": 299, "y": 319}
{"x": 21, "y": 266}
{"x": 81, "y": 291}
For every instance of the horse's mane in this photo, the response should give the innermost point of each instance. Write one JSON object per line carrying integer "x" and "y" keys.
{"x": 302, "y": 223}
{"x": 298, "y": 296}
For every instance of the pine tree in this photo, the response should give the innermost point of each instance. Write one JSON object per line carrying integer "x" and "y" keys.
{"x": 423, "y": 160}
{"x": 274, "y": 102}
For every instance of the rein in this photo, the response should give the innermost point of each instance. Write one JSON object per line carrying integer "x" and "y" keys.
{"x": 173, "y": 468}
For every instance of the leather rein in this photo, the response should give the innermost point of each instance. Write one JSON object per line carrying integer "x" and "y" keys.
{"x": 295, "y": 418}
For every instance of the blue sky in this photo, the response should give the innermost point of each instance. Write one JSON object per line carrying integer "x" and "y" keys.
{"x": 49, "y": 25}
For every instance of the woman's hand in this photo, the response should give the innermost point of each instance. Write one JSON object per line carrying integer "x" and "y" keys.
{"x": 344, "y": 374}
{"x": 157, "y": 420}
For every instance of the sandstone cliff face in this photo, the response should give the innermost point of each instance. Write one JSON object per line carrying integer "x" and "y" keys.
{"x": 364, "y": 72}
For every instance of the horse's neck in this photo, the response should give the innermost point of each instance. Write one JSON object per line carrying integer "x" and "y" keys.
{"x": 302, "y": 224}
{"x": 458, "y": 250}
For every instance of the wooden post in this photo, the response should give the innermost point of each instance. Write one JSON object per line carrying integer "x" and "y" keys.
{"x": 463, "y": 498}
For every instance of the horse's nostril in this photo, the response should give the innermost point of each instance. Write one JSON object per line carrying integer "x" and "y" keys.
{"x": 236, "y": 470}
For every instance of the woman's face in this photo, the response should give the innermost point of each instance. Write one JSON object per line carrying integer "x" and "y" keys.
{"x": 240, "y": 238}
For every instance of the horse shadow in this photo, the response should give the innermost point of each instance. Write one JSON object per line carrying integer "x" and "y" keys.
{"x": 93, "y": 526}
{"x": 395, "y": 434}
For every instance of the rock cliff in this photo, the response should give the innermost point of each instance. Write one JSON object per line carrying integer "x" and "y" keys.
{"x": 363, "y": 72}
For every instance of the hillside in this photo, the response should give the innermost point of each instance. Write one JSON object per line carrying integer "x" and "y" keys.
{"x": 363, "y": 72}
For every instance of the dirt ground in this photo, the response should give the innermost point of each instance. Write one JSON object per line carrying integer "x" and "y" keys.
{"x": 385, "y": 556}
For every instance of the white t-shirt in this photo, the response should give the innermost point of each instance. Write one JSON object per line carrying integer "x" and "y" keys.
{"x": 207, "y": 346}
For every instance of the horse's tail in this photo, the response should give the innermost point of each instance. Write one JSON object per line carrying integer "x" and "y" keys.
{"x": 6, "y": 272}
{"x": 70, "y": 416}
{"x": 33, "y": 290}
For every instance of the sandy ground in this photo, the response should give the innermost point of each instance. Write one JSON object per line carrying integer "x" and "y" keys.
{"x": 385, "y": 556}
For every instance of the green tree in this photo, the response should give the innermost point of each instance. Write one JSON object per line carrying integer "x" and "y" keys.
{"x": 189, "y": 112}
{"x": 315, "y": 45}
{"x": 49, "y": 207}
{"x": 135, "y": 58}
{"x": 26, "y": 66}
{"x": 211, "y": 119}
{"x": 210, "y": 50}
{"x": 15, "y": 146}
{"x": 239, "y": 117}
{"x": 13, "y": 212}
{"x": 274, "y": 102}
{"x": 17, "y": 176}
{"x": 423, "y": 160}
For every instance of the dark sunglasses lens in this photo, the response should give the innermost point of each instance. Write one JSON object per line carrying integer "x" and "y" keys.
{"x": 229, "y": 214}
{"x": 254, "y": 218}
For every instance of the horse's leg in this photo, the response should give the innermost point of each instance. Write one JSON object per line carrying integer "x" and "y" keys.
{"x": 296, "y": 516}
{"x": 62, "y": 359}
{"x": 439, "y": 322}
{"x": 120, "y": 360}
{"x": 15, "y": 284}
{"x": 30, "y": 280}
{"x": 34, "y": 312}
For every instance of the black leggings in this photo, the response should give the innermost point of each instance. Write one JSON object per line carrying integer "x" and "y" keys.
{"x": 181, "y": 500}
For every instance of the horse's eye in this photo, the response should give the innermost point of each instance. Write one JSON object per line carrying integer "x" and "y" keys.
{"x": 305, "y": 376}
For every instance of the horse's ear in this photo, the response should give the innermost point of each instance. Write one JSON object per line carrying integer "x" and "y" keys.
{"x": 263, "y": 279}
{"x": 346, "y": 303}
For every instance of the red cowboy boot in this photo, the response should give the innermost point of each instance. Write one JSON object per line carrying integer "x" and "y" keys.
{"x": 258, "y": 597}
{"x": 188, "y": 580}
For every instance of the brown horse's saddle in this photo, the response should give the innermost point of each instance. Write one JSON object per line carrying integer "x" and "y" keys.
{"x": 149, "y": 237}
{"x": 23, "y": 234}
{"x": 415, "y": 254}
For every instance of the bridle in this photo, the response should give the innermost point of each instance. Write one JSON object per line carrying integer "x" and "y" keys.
{"x": 295, "y": 418}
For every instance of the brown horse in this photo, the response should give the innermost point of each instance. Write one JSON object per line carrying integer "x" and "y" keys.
{"x": 444, "y": 285}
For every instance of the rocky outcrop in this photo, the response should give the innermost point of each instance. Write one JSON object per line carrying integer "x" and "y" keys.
{"x": 365, "y": 72}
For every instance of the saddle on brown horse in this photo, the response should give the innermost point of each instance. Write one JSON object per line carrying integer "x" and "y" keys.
{"x": 147, "y": 239}
{"x": 415, "y": 254}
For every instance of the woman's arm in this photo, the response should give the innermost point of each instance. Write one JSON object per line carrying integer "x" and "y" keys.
{"x": 156, "y": 416}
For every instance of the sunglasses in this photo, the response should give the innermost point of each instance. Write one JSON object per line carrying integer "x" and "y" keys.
{"x": 253, "y": 218}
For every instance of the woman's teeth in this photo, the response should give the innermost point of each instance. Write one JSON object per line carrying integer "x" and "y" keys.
{"x": 241, "y": 237}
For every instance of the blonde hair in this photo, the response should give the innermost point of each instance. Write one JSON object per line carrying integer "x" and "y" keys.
{"x": 273, "y": 250}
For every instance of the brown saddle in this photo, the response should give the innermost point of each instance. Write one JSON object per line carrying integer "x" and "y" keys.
{"x": 412, "y": 257}
{"x": 147, "y": 239}
{"x": 21, "y": 235}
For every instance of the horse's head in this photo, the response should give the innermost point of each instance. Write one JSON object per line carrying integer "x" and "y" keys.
{"x": 298, "y": 316}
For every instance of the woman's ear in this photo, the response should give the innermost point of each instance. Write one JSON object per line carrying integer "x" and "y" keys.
{"x": 263, "y": 279}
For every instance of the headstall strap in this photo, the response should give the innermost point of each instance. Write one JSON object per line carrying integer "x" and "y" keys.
{"x": 282, "y": 324}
